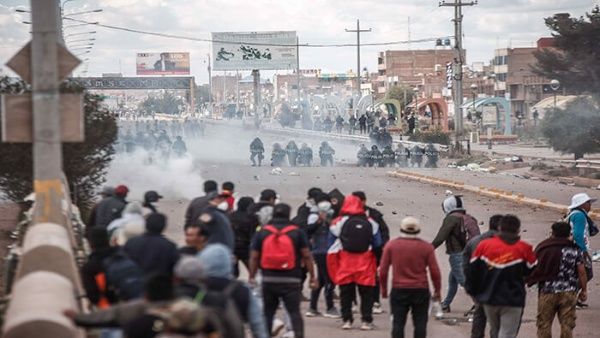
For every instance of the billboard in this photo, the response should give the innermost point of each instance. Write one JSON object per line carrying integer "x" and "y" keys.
{"x": 254, "y": 50}
{"x": 163, "y": 63}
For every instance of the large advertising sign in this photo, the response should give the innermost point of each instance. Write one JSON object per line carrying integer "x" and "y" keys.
{"x": 163, "y": 64}
{"x": 254, "y": 50}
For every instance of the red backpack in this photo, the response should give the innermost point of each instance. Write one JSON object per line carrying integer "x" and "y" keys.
{"x": 278, "y": 251}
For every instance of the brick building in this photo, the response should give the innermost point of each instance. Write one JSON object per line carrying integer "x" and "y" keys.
{"x": 515, "y": 78}
{"x": 425, "y": 69}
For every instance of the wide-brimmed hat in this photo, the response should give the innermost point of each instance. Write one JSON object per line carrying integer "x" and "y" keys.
{"x": 410, "y": 226}
{"x": 580, "y": 199}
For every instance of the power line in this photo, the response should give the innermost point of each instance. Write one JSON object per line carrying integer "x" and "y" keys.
{"x": 309, "y": 45}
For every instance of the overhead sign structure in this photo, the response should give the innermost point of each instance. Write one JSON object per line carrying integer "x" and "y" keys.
{"x": 254, "y": 50}
{"x": 168, "y": 63}
{"x": 178, "y": 82}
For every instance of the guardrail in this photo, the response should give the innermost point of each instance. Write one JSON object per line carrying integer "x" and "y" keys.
{"x": 584, "y": 164}
{"x": 46, "y": 278}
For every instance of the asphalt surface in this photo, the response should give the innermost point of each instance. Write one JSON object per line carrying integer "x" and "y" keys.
{"x": 223, "y": 156}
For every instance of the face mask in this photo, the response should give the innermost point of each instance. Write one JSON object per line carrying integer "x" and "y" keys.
{"x": 223, "y": 206}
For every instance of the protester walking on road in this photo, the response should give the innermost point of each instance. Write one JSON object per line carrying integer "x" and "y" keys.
{"x": 317, "y": 230}
{"x": 351, "y": 261}
{"x": 479, "y": 319}
{"x": 561, "y": 279}
{"x": 197, "y": 205}
{"x": 582, "y": 228}
{"x": 457, "y": 228}
{"x": 496, "y": 279}
{"x": 244, "y": 227}
{"x": 278, "y": 249}
{"x": 152, "y": 251}
{"x": 110, "y": 207}
{"x": 410, "y": 258}
{"x": 215, "y": 219}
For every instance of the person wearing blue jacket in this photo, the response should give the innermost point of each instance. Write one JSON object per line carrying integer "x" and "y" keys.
{"x": 317, "y": 229}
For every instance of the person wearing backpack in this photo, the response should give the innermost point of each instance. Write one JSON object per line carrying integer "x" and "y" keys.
{"x": 582, "y": 228}
{"x": 278, "y": 249}
{"x": 351, "y": 261}
{"x": 457, "y": 229}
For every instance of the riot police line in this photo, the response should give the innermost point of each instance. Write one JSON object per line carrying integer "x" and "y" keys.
{"x": 291, "y": 155}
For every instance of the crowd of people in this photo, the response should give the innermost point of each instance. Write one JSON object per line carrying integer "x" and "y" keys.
{"x": 142, "y": 285}
{"x": 401, "y": 157}
{"x": 302, "y": 156}
{"x": 158, "y": 137}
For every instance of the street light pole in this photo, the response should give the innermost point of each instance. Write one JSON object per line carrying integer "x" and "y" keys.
{"x": 357, "y": 31}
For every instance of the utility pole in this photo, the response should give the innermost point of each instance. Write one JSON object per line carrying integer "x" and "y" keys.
{"x": 47, "y": 144}
{"x": 298, "y": 70}
{"x": 357, "y": 31}
{"x": 458, "y": 60}
{"x": 209, "y": 85}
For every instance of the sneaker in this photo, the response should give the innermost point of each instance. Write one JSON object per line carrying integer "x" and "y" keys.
{"x": 377, "y": 309}
{"x": 333, "y": 313}
{"x": 313, "y": 313}
{"x": 581, "y": 305}
{"x": 446, "y": 308}
{"x": 347, "y": 325}
{"x": 367, "y": 326}
{"x": 289, "y": 334}
{"x": 278, "y": 326}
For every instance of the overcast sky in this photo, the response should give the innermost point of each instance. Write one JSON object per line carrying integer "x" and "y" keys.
{"x": 489, "y": 25}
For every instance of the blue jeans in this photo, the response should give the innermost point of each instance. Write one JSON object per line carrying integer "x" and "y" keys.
{"x": 455, "y": 277}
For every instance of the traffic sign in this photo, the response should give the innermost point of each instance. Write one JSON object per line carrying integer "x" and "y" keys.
{"x": 17, "y": 118}
{"x": 21, "y": 62}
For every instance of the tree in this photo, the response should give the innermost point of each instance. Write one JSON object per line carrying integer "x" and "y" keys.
{"x": 574, "y": 59}
{"x": 574, "y": 130}
{"x": 403, "y": 94}
{"x": 85, "y": 164}
{"x": 167, "y": 103}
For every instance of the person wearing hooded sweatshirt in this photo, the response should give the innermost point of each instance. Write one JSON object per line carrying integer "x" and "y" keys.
{"x": 111, "y": 207}
{"x": 317, "y": 231}
{"x": 337, "y": 200}
{"x": 131, "y": 224}
{"x": 244, "y": 227}
{"x": 152, "y": 252}
{"x": 561, "y": 279}
{"x": 307, "y": 207}
{"x": 351, "y": 262}
{"x": 410, "y": 257}
{"x": 452, "y": 232}
{"x": 496, "y": 277}
{"x": 217, "y": 276}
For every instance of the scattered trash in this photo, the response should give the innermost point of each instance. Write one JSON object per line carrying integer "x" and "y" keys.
{"x": 256, "y": 178}
{"x": 394, "y": 213}
{"x": 379, "y": 204}
{"x": 333, "y": 176}
{"x": 452, "y": 165}
{"x": 293, "y": 173}
{"x": 276, "y": 171}
{"x": 473, "y": 167}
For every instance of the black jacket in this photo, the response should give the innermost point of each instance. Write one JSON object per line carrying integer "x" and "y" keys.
{"x": 93, "y": 267}
{"x": 194, "y": 210}
{"x": 244, "y": 226}
{"x": 153, "y": 253}
{"x": 219, "y": 228}
{"x": 107, "y": 210}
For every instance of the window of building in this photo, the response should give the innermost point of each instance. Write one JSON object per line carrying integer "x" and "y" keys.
{"x": 501, "y": 77}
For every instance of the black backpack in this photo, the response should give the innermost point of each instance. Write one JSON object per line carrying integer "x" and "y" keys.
{"x": 123, "y": 276}
{"x": 357, "y": 234}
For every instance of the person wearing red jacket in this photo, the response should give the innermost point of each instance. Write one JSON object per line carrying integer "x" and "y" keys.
{"x": 351, "y": 261}
{"x": 410, "y": 257}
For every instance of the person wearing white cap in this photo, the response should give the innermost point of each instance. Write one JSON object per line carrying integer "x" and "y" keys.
{"x": 410, "y": 258}
{"x": 582, "y": 228}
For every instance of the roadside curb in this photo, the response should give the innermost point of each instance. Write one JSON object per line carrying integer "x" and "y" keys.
{"x": 511, "y": 196}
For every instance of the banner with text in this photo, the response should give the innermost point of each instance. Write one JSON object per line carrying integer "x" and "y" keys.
{"x": 163, "y": 64}
{"x": 254, "y": 50}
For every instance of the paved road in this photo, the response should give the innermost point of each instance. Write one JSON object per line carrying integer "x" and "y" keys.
{"x": 225, "y": 159}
